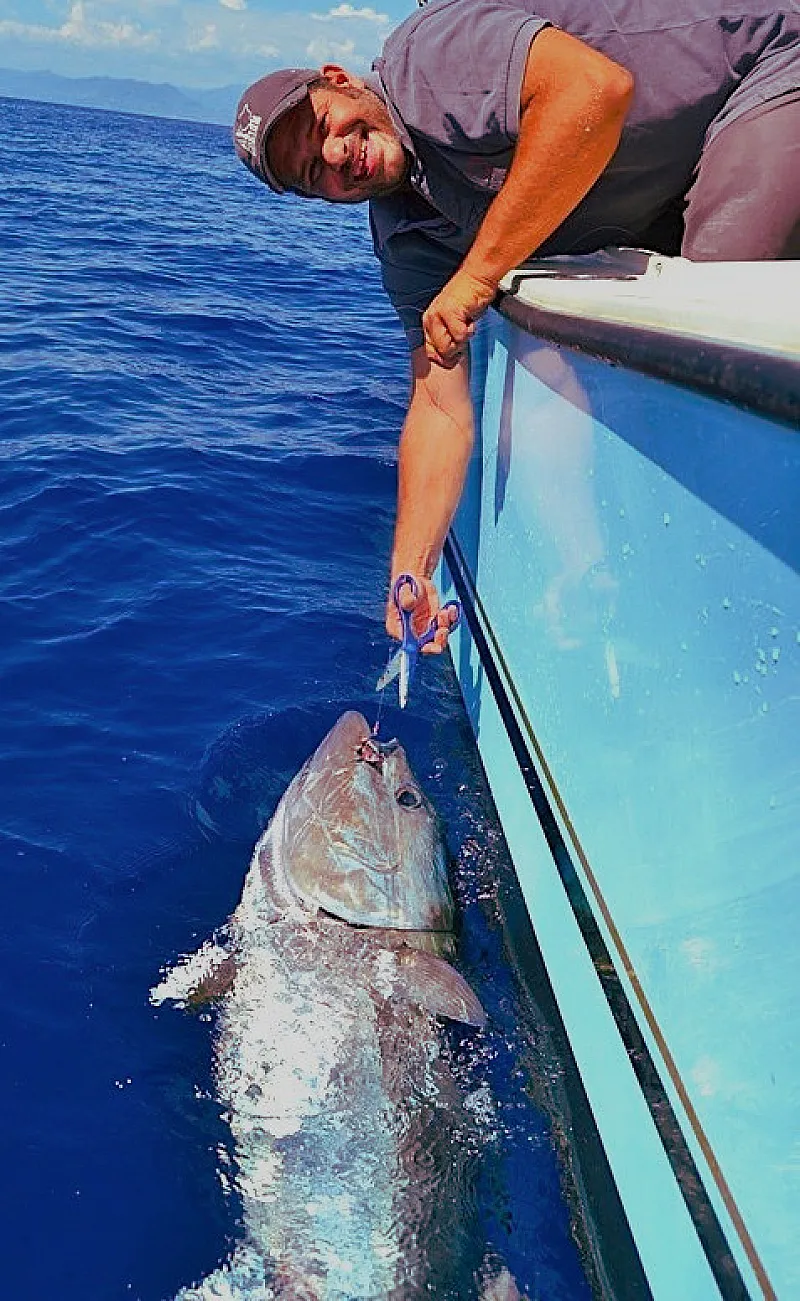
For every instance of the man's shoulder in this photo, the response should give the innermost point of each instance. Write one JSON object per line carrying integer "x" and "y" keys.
{"x": 451, "y": 74}
{"x": 429, "y": 22}
{"x": 426, "y": 15}
{"x": 420, "y": 17}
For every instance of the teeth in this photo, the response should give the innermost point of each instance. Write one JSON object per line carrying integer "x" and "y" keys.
{"x": 358, "y": 162}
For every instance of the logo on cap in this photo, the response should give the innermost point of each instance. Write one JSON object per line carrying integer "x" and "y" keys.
{"x": 247, "y": 124}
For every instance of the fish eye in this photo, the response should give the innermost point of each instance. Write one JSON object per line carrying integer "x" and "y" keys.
{"x": 408, "y": 798}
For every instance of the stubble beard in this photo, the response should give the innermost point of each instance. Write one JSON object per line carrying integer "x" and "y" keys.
{"x": 376, "y": 118}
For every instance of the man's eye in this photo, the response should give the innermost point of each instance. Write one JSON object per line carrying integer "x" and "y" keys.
{"x": 315, "y": 172}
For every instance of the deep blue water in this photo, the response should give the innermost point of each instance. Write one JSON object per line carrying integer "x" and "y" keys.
{"x": 201, "y": 390}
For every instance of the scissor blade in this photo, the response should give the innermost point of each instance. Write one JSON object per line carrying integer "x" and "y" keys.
{"x": 390, "y": 672}
{"x": 404, "y": 677}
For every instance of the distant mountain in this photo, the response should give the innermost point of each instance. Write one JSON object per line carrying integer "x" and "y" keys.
{"x": 123, "y": 96}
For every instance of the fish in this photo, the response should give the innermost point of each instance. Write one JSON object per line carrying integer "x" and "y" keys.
{"x": 352, "y": 1147}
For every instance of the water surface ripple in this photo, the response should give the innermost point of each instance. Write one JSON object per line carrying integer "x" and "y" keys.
{"x": 201, "y": 391}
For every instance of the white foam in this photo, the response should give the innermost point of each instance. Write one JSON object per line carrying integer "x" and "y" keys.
{"x": 184, "y": 978}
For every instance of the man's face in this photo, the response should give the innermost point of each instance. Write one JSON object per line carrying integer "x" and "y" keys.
{"x": 338, "y": 143}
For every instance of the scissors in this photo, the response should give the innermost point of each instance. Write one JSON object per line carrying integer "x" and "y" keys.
{"x": 404, "y": 660}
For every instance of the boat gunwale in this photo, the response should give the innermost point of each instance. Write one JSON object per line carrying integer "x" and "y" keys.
{"x": 760, "y": 381}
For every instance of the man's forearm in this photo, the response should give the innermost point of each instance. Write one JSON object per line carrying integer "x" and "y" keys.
{"x": 435, "y": 449}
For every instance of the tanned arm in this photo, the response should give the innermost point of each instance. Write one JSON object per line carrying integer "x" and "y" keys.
{"x": 573, "y": 106}
{"x": 435, "y": 448}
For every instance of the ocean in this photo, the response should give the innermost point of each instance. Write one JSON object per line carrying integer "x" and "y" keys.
{"x": 201, "y": 391}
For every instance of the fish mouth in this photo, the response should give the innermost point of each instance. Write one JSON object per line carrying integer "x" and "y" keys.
{"x": 373, "y": 751}
{"x": 441, "y": 942}
{"x": 413, "y": 939}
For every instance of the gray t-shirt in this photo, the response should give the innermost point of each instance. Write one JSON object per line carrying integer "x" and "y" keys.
{"x": 451, "y": 76}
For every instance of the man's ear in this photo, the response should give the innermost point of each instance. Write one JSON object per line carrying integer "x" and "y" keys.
{"x": 340, "y": 77}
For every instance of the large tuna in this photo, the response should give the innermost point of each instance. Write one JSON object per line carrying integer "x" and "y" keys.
{"x": 352, "y": 1146}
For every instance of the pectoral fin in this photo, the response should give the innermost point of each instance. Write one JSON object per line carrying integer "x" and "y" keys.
{"x": 436, "y": 986}
{"x": 197, "y": 979}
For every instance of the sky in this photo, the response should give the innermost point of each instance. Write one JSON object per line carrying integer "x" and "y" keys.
{"x": 193, "y": 43}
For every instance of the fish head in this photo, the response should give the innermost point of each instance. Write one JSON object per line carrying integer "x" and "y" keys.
{"x": 357, "y": 837}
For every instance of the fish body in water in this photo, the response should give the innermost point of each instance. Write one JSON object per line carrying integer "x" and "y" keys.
{"x": 352, "y": 1145}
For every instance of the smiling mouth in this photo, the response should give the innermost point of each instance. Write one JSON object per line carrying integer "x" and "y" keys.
{"x": 359, "y": 167}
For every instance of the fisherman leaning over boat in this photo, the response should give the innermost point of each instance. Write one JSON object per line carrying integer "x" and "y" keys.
{"x": 493, "y": 129}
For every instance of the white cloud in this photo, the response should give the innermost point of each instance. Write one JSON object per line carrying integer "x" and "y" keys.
{"x": 348, "y": 11}
{"x": 188, "y": 42}
{"x": 204, "y": 38}
{"x": 324, "y": 51}
{"x": 81, "y": 29}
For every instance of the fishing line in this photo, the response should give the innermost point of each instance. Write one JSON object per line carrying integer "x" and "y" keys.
{"x": 382, "y": 697}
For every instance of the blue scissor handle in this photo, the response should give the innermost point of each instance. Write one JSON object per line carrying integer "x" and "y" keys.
{"x": 409, "y": 642}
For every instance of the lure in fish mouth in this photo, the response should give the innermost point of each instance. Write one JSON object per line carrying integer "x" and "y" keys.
{"x": 327, "y": 981}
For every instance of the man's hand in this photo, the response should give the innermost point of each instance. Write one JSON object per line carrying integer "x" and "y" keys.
{"x": 425, "y": 607}
{"x": 449, "y": 322}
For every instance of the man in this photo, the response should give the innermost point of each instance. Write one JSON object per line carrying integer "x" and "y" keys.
{"x": 490, "y": 131}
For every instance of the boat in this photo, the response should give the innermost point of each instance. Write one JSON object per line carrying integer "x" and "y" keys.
{"x": 627, "y": 555}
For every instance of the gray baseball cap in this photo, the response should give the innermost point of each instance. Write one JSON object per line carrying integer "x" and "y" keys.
{"x": 260, "y": 107}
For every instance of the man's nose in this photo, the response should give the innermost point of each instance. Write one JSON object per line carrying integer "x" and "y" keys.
{"x": 334, "y": 151}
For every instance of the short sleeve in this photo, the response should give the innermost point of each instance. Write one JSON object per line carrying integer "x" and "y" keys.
{"x": 455, "y": 72}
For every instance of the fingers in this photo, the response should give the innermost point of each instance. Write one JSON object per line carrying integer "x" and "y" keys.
{"x": 393, "y": 622}
{"x": 425, "y": 609}
{"x": 449, "y": 322}
{"x": 445, "y": 620}
{"x": 419, "y": 604}
{"x": 447, "y": 336}
{"x": 422, "y": 605}
{"x": 406, "y": 596}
